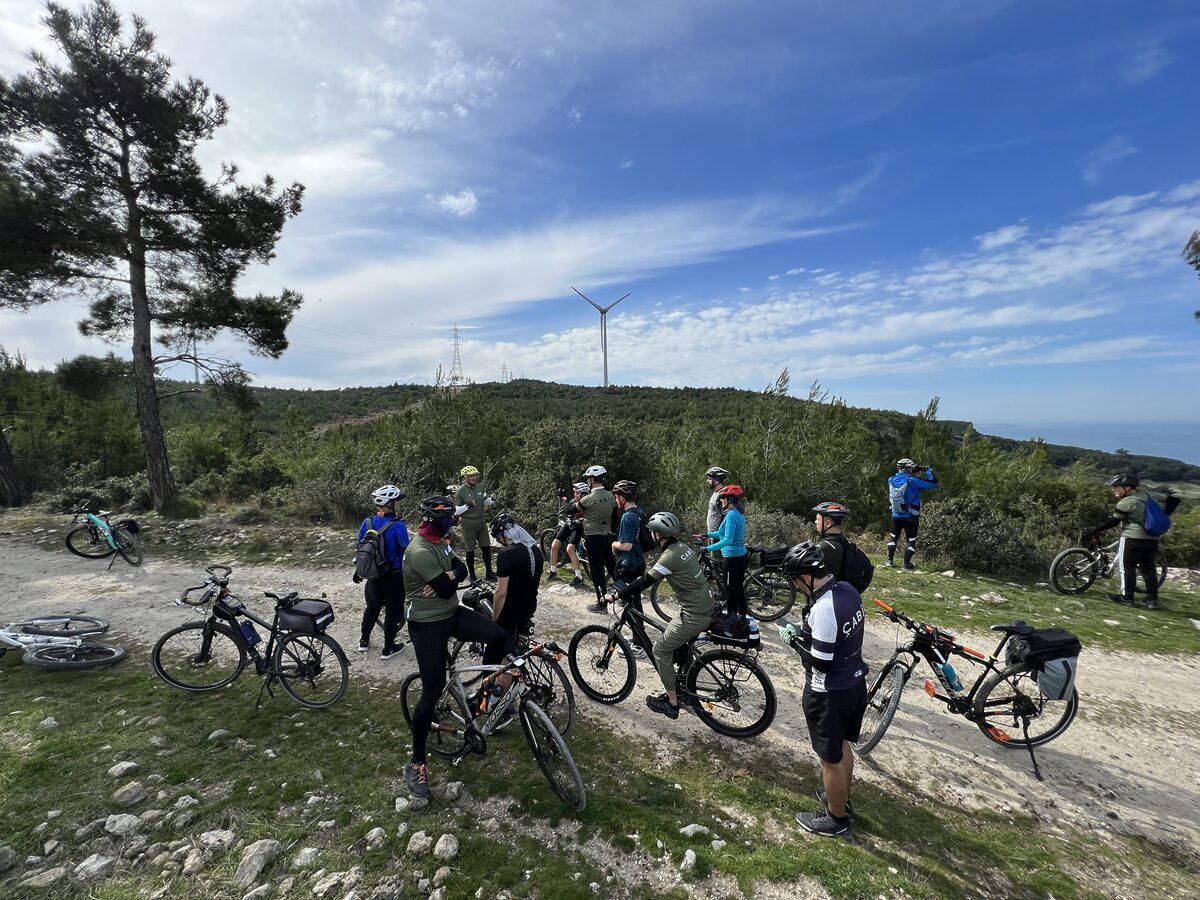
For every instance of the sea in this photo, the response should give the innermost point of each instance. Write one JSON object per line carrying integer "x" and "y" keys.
{"x": 1175, "y": 440}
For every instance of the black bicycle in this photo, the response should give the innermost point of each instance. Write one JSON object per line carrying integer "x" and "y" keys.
{"x": 723, "y": 684}
{"x": 1076, "y": 568}
{"x": 769, "y": 593}
{"x": 546, "y": 541}
{"x": 1004, "y": 701}
{"x": 210, "y": 654}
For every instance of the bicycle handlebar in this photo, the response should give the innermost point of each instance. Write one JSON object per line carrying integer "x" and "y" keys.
{"x": 225, "y": 571}
{"x": 183, "y": 598}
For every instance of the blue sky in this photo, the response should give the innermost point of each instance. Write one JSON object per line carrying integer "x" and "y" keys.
{"x": 984, "y": 201}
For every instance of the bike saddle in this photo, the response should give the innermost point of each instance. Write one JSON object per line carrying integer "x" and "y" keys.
{"x": 286, "y": 598}
{"x": 755, "y": 548}
{"x": 1016, "y": 627}
{"x": 104, "y": 512}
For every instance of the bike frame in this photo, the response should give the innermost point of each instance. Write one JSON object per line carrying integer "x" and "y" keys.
{"x": 11, "y": 638}
{"x": 476, "y": 735}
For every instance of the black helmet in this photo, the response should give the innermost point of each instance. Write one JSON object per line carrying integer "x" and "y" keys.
{"x": 1124, "y": 480}
{"x": 432, "y": 508}
{"x": 835, "y": 512}
{"x": 625, "y": 488}
{"x": 716, "y": 473}
{"x": 501, "y": 524}
{"x": 804, "y": 559}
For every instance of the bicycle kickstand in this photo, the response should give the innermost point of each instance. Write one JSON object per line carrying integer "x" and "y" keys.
{"x": 1037, "y": 772}
{"x": 266, "y": 686}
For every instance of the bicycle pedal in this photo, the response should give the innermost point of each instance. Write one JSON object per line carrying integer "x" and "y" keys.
{"x": 929, "y": 688}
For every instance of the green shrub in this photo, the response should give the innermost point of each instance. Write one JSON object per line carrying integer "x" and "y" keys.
{"x": 1182, "y": 543}
{"x": 968, "y": 532}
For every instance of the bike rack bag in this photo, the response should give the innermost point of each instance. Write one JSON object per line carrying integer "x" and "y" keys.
{"x": 306, "y": 617}
{"x": 772, "y": 557}
{"x": 1054, "y": 655}
{"x": 733, "y": 630}
{"x": 1056, "y": 678}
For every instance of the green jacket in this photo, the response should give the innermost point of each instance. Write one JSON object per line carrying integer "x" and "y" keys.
{"x": 1131, "y": 510}
{"x": 598, "y": 509}
{"x": 472, "y": 498}
{"x": 424, "y": 561}
{"x": 679, "y": 564}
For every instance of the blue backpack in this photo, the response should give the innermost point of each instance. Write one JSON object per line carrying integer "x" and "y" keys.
{"x": 1157, "y": 522}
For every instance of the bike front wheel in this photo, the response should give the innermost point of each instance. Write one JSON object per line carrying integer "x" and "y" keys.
{"x": 883, "y": 699}
{"x": 128, "y": 546}
{"x": 448, "y": 733}
{"x": 1010, "y": 700}
{"x": 553, "y": 756}
{"x": 87, "y": 655}
{"x": 198, "y": 656}
{"x": 64, "y": 626}
{"x": 312, "y": 668}
{"x": 464, "y": 654}
{"x": 551, "y": 690}
{"x": 770, "y": 594}
{"x": 1074, "y": 570}
{"x": 731, "y": 693}
{"x": 602, "y": 664}
{"x": 87, "y": 541}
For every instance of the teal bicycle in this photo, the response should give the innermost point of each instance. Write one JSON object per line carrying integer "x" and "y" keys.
{"x": 97, "y": 538}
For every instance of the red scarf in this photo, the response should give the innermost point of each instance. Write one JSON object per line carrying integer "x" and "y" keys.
{"x": 430, "y": 532}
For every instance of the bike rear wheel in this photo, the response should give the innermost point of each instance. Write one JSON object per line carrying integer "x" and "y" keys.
{"x": 545, "y": 540}
{"x": 465, "y": 654}
{"x": 1074, "y": 570}
{"x": 198, "y": 656}
{"x": 128, "y": 546}
{"x": 770, "y": 594}
{"x": 1010, "y": 698}
{"x": 448, "y": 734}
{"x": 731, "y": 693}
{"x": 602, "y": 664}
{"x": 883, "y": 699}
{"x": 86, "y": 540}
{"x": 551, "y": 690}
{"x": 312, "y": 668}
{"x": 65, "y": 626}
{"x": 552, "y": 755}
{"x": 88, "y": 655}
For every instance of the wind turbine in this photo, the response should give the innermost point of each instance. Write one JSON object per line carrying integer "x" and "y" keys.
{"x": 603, "y": 310}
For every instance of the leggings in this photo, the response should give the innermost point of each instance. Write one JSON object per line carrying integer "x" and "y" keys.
{"x": 429, "y": 641}
{"x": 909, "y": 528}
{"x": 384, "y": 595}
{"x": 735, "y": 582}
{"x": 601, "y": 562}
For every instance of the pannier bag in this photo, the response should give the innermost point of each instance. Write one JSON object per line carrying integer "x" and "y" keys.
{"x": 306, "y": 617}
{"x": 1054, "y": 655}
{"x": 1056, "y": 678}
{"x": 129, "y": 525}
{"x": 772, "y": 558}
{"x": 734, "y": 631}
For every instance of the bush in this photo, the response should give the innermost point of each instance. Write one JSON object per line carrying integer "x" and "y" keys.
{"x": 1182, "y": 543}
{"x": 968, "y": 532}
{"x": 128, "y": 494}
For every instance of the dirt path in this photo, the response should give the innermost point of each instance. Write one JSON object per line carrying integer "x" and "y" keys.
{"x": 1128, "y": 764}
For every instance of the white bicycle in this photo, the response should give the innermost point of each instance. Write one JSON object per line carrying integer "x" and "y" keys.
{"x": 60, "y": 642}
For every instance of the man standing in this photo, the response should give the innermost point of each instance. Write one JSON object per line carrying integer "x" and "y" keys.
{"x": 715, "y": 479}
{"x": 835, "y": 690}
{"x": 904, "y": 494}
{"x": 631, "y": 561}
{"x": 1137, "y": 549}
{"x": 386, "y": 592}
{"x": 829, "y": 521}
{"x": 598, "y": 506}
{"x": 472, "y": 495}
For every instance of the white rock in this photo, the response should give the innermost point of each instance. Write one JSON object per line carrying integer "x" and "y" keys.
{"x": 194, "y": 862}
{"x": 689, "y": 861}
{"x": 441, "y": 876}
{"x": 95, "y": 866}
{"x": 255, "y": 858}
{"x": 401, "y": 829}
{"x": 717, "y": 844}
{"x": 46, "y": 724}
{"x": 44, "y": 879}
{"x": 263, "y": 890}
{"x": 454, "y": 790}
{"x": 121, "y": 769}
{"x": 438, "y": 894}
{"x": 376, "y": 837}
{"x": 693, "y": 830}
{"x": 305, "y": 857}
{"x": 328, "y": 884}
{"x": 187, "y": 800}
{"x": 8, "y": 858}
{"x": 949, "y": 573}
{"x": 123, "y": 825}
{"x": 129, "y": 795}
{"x": 269, "y": 754}
{"x": 401, "y": 804}
{"x": 327, "y": 824}
{"x": 220, "y": 839}
{"x": 218, "y": 734}
{"x": 447, "y": 847}
{"x": 50, "y": 847}
{"x": 419, "y": 844}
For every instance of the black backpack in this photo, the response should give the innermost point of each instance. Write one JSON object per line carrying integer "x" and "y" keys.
{"x": 370, "y": 557}
{"x": 645, "y": 538}
{"x": 857, "y": 568}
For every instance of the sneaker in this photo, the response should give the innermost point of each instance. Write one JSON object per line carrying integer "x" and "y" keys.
{"x": 824, "y": 823}
{"x": 660, "y": 704}
{"x": 1151, "y": 604}
{"x": 416, "y": 775}
{"x": 890, "y": 564}
{"x": 597, "y": 607}
{"x": 552, "y": 575}
{"x": 820, "y": 792}
{"x": 364, "y": 646}
{"x": 389, "y": 652}
{"x": 577, "y": 583}
{"x": 909, "y": 567}
{"x": 1119, "y": 598}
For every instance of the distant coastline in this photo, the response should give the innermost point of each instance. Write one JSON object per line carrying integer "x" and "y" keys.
{"x": 1176, "y": 440}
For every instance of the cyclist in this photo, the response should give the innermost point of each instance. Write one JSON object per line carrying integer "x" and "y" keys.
{"x": 385, "y": 593}
{"x": 631, "y": 560}
{"x": 835, "y": 688}
{"x": 472, "y": 495}
{"x": 904, "y": 492}
{"x": 731, "y": 535}
{"x": 830, "y": 518}
{"x": 519, "y": 571}
{"x": 432, "y": 574}
{"x": 598, "y": 506}
{"x": 679, "y": 565}
{"x": 1137, "y": 549}
{"x": 568, "y": 534}
{"x": 715, "y": 479}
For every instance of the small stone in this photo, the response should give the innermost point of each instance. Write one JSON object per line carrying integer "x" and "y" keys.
{"x": 402, "y": 804}
{"x": 157, "y": 740}
{"x": 328, "y": 884}
{"x": 218, "y": 734}
{"x": 949, "y": 573}
{"x": 441, "y": 876}
{"x": 8, "y": 858}
{"x": 134, "y": 846}
{"x": 305, "y": 857}
{"x": 447, "y": 847}
{"x": 270, "y": 754}
{"x": 419, "y": 844}
{"x": 594, "y": 887}
{"x": 439, "y": 894}
{"x": 129, "y": 795}
{"x": 121, "y": 769}
{"x": 401, "y": 829}
{"x": 718, "y": 844}
{"x": 693, "y": 830}
{"x": 689, "y": 861}
{"x": 51, "y": 847}
{"x": 151, "y": 815}
{"x": 123, "y": 825}
{"x": 255, "y": 858}
{"x": 263, "y": 890}
{"x": 187, "y": 800}
{"x": 327, "y": 824}
{"x": 220, "y": 839}
{"x": 95, "y": 866}
{"x": 375, "y": 837}
{"x": 45, "y": 879}
{"x": 184, "y": 819}
{"x": 194, "y": 861}
{"x": 48, "y": 724}
{"x": 417, "y": 803}
{"x": 454, "y": 790}
{"x": 53, "y": 814}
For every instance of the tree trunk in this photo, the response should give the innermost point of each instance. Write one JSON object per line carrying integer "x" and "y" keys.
{"x": 10, "y": 487}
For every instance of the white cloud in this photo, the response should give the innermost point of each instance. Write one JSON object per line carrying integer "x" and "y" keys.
{"x": 1145, "y": 65}
{"x": 1001, "y": 237}
{"x": 462, "y": 204}
{"x": 1094, "y": 163}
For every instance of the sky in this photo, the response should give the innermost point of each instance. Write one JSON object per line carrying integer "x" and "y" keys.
{"x": 981, "y": 201}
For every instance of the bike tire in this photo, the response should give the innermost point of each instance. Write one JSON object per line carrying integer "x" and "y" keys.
{"x": 179, "y": 662}
{"x": 594, "y": 651}
{"x": 1160, "y": 565}
{"x": 92, "y": 546}
{"x": 303, "y": 659}
{"x": 999, "y": 717}
{"x": 1074, "y": 570}
{"x": 128, "y": 546}
{"x": 446, "y": 744}
{"x": 60, "y": 657}
{"x": 553, "y": 756}
{"x": 712, "y": 688}
{"x": 465, "y": 654}
{"x": 545, "y": 539}
{"x": 883, "y": 699}
{"x": 550, "y": 689}
{"x": 770, "y": 594}
{"x": 665, "y": 607}
{"x": 65, "y": 626}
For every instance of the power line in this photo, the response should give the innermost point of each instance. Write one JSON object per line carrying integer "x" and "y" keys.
{"x": 456, "y": 369}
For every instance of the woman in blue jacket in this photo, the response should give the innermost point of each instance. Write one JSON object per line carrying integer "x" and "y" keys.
{"x": 731, "y": 541}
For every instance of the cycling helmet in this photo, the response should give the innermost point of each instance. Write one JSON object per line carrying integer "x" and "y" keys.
{"x": 905, "y": 463}
{"x": 595, "y": 472}
{"x": 835, "y": 512}
{"x": 386, "y": 495}
{"x": 468, "y": 470}
{"x": 582, "y": 487}
{"x": 434, "y": 508}
{"x": 1124, "y": 480}
{"x": 804, "y": 559}
{"x": 625, "y": 488}
{"x": 732, "y": 492}
{"x": 663, "y": 523}
{"x": 716, "y": 473}
{"x": 501, "y": 524}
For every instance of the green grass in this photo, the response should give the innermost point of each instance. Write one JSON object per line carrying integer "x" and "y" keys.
{"x": 905, "y": 841}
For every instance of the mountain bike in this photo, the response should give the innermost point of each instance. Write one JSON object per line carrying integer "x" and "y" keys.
{"x": 724, "y": 684}
{"x": 462, "y": 722}
{"x": 769, "y": 593}
{"x": 96, "y": 537}
{"x": 60, "y": 642}
{"x": 1076, "y": 568}
{"x": 1004, "y": 701}
{"x": 211, "y": 653}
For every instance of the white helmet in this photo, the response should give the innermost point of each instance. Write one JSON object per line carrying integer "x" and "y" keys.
{"x": 595, "y": 472}
{"x": 582, "y": 487}
{"x": 386, "y": 495}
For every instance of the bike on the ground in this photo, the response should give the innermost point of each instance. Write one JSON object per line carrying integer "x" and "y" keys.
{"x": 210, "y": 654}
{"x": 60, "y": 642}
{"x": 1076, "y": 568}
{"x": 97, "y": 537}
{"x": 723, "y": 684}
{"x": 769, "y": 593}
{"x": 463, "y": 721}
{"x": 1004, "y": 701}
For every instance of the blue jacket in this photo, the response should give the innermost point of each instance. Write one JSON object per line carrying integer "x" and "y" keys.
{"x": 395, "y": 539}
{"x": 732, "y": 534}
{"x": 912, "y": 491}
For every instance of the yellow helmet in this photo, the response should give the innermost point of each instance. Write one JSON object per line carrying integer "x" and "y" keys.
{"x": 468, "y": 470}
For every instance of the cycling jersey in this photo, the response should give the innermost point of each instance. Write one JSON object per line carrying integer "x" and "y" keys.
{"x": 831, "y": 639}
{"x": 732, "y": 534}
{"x": 715, "y": 512}
{"x": 912, "y": 492}
{"x": 680, "y": 566}
{"x": 423, "y": 562}
{"x": 473, "y": 499}
{"x": 597, "y": 509}
{"x": 628, "y": 533}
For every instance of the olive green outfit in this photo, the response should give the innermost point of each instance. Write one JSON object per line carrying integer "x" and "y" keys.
{"x": 598, "y": 507}
{"x": 423, "y": 562}
{"x": 473, "y": 522}
{"x": 679, "y": 565}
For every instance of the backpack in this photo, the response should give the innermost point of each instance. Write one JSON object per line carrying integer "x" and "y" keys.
{"x": 370, "y": 557}
{"x": 645, "y": 538}
{"x": 857, "y": 568}
{"x": 896, "y": 494}
{"x": 1156, "y": 522}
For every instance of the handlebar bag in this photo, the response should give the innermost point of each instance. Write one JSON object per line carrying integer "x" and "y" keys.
{"x": 306, "y": 617}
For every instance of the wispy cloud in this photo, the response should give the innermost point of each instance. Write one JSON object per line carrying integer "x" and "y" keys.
{"x": 1093, "y": 165}
{"x": 1145, "y": 64}
{"x": 461, "y": 204}
{"x": 1001, "y": 237}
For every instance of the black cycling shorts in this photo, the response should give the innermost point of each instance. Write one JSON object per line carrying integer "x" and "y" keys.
{"x": 833, "y": 717}
{"x": 569, "y": 533}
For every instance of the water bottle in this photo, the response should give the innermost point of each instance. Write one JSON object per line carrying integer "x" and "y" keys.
{"x": 951, "y": 676}
{"x": 250, "y": 634}
{"x": 754, "y": 636}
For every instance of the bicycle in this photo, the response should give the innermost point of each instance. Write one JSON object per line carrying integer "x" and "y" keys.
{"x": 1075, "y": 569}
{"x": 769, "y": 593}
{"x": 1004, "y": 702}
{"x": 96, "y": 537}
{"x": 546, "y": 539}
{"x": 458, "y": 730}
{"x": 210, "y": 654}
{"x": 60, "y": 643}
{"x": 724, "y": 685}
